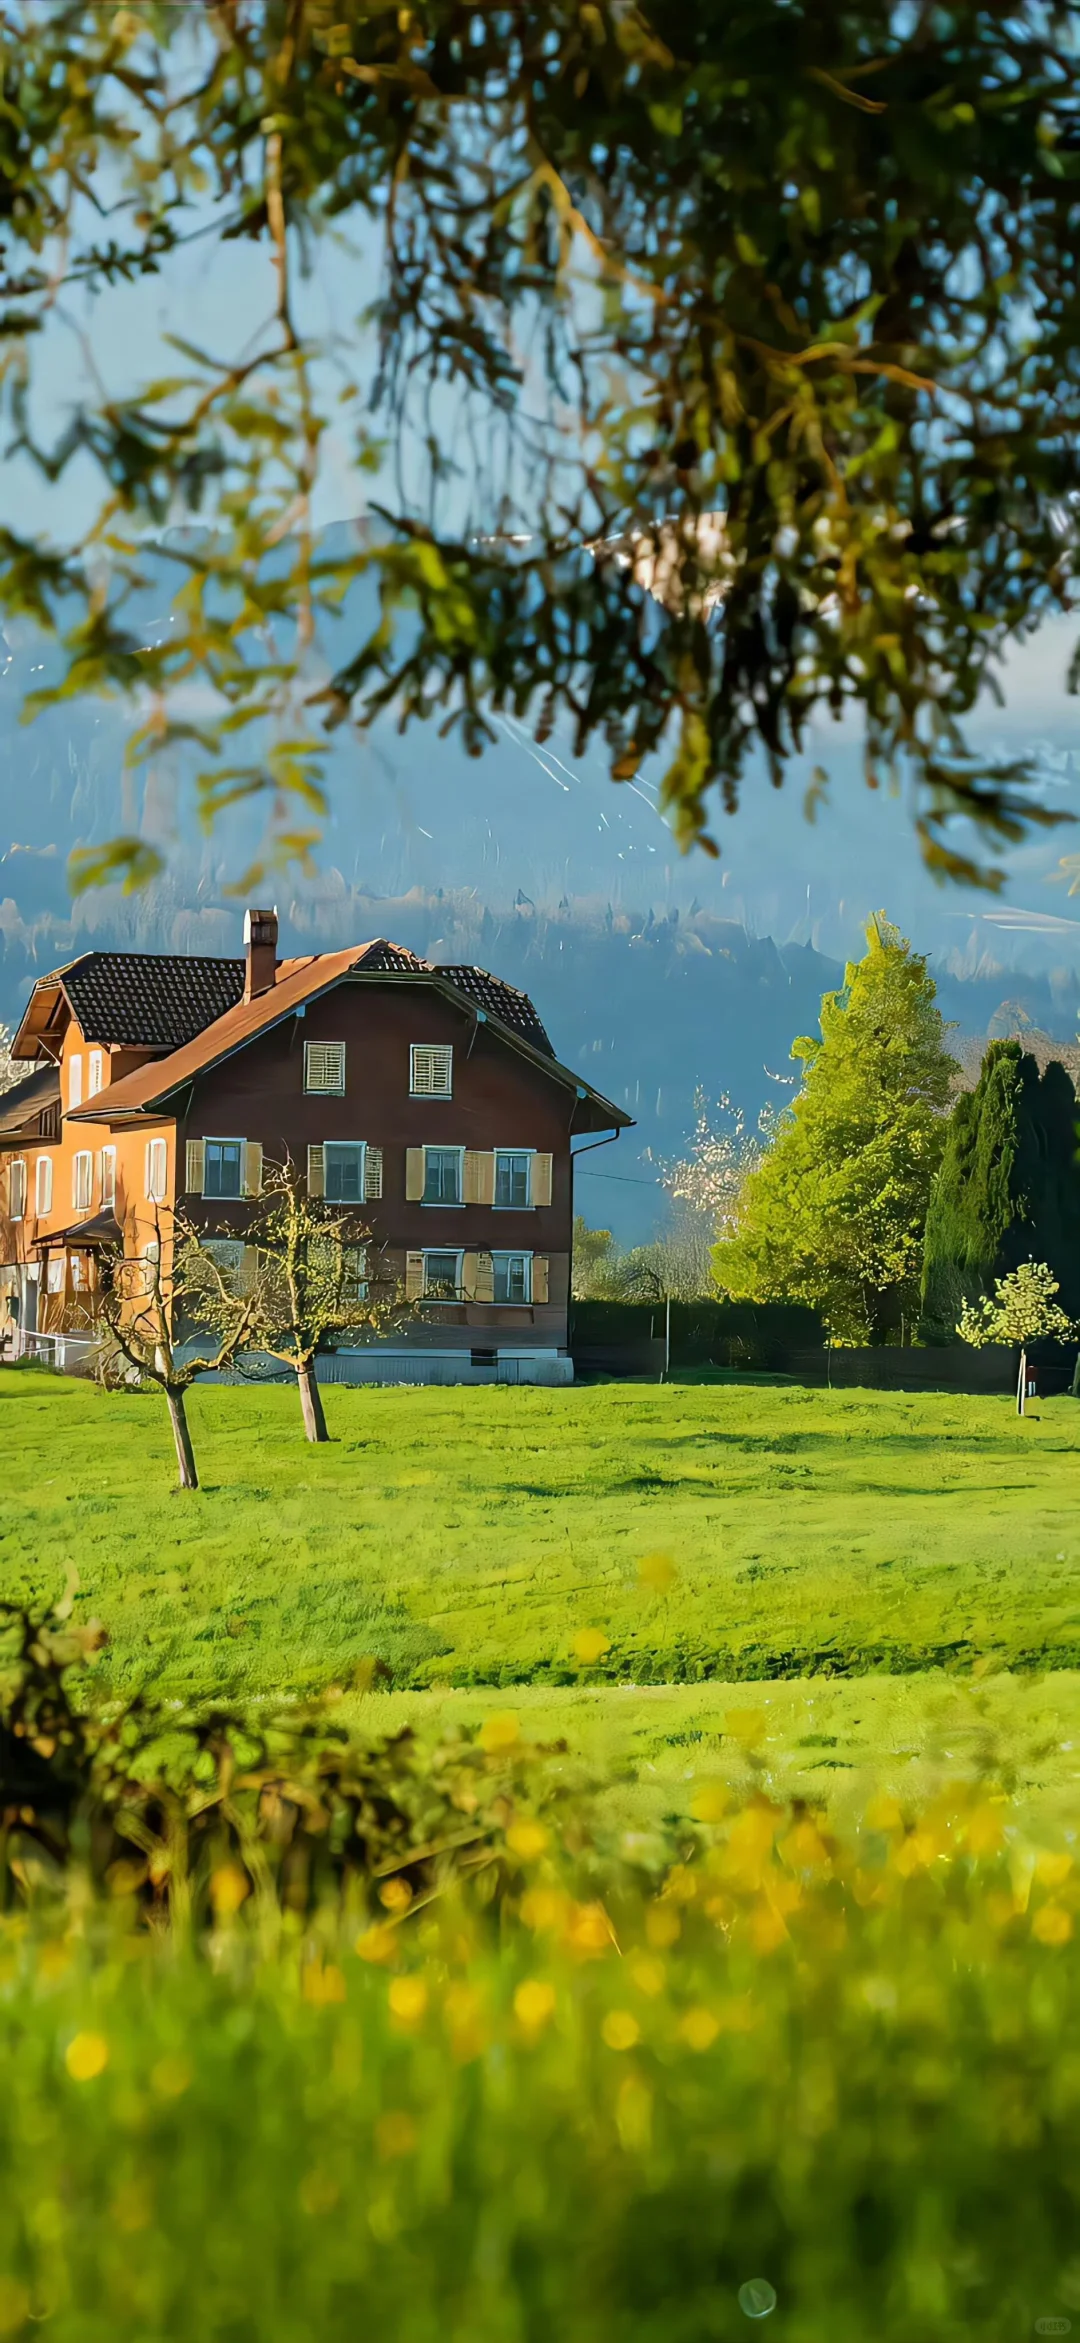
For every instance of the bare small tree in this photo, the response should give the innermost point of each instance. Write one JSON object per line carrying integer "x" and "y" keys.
{"x": 144, "y": 1303}
{"x": 1023, "y": 1310}
{"x": 313, "y": 1280}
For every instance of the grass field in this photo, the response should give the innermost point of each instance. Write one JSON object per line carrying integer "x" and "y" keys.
{"x": 890, "y": 1581}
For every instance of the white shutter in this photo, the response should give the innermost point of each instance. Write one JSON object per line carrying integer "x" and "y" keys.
{"x": 479, "y": 1177}
{"x": 541, "y": 1179}
{"x": 484, "y": 1289}
{"x": 316, "y": 1173}
{"x": 414, "y": 1276}
{"x": 324, "y": 1067}
{"x": 372, "y": 1173}
{"x": 194, "y": 1173}
{"x": 431, "y": 1070}
{"x": 253, "y": 1167}
{"x": 414, "y": 1175}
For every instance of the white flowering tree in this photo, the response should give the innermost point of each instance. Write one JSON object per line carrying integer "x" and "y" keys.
{"x": 1022, "y": 1310}
{"x": 724, "y": 1149}
{"x": 10, "y": 1073}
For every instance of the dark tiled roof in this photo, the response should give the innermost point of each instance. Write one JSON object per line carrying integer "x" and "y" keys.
{"x": 27, "y": 1099}
{"x": 150, "y": 1000}
{"x": 501, "y": 1000}
{"x": 393, "y": 957}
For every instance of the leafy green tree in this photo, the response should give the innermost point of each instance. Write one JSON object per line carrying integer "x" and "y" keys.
{"x": 834, "y": 1216}
{"x": 723, "y": 370}
{"x": 593, "y": 1255}
{"x": 1008, "y": 1187}
{"x": 1023, "y": 1311}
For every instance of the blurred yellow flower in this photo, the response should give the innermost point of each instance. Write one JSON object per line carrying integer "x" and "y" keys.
{"x": 588, "y": 1931}
{"x": 883, "y": 1813}
{"x": 699, "y": 2028}
{"x": 322, "y": 1984}
{"x": 86, "y": 2057}
{"x": 621, "y": 2029}
{"x": 171, "y": 2076}
{"x": 395, "y": 2134}
{"x": 228, "y": 1888}
{"x": 464, "y": 2010}
{"x": 748, "y": 1725}
{"x": 663, "y": 1926}
{"x": 408, "y": 1999}
{"x": 649, "y": 1976}
{"x": 544, "y": 1907}
{"x": 501, "y": 1731}
{"x": 985, "y": 1830}
{"x": 534, "y": 2004}
{"x": 1052, "y": 1924}
{"x": 1052, "y": 1868}
{"x": 377, "y": 1944}
{"x": 710, "y": 1802}
{"x": 396, "y": 1895}
{"x": 767, "y": 1928}
{"x": 527, "y": 1840}
{"x": 656, "y": 1573}
{"x": 804, "y": 1848}
{"x": 590, "y": 1645}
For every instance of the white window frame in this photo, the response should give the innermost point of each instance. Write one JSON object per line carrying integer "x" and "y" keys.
{"x": 156, "y": 1194}
{"x": 17, "y": 1189}
{"x": 419, "y": 1053}
{"x": 528, "y": 1206}
{"x": 332, "y": 1147}
{"x": 505, "y": 1301}
{"x": 43, "y": 1187}
{"x": 215, "y": 1196}
{"x": 82, "y": 1177}
{"x": 442, "y": 1203}
{"x": 56, "y": 1278}
{"x": 95, "y": 1073}
{"x": 323, "y": 1089}
{"x": 108, "y": 1175}
{"x": 444, "y": 1253}
{"x": 74, "y": 1081}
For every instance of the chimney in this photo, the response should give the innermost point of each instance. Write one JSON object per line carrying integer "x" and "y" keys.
{"x": 260, "y": 946}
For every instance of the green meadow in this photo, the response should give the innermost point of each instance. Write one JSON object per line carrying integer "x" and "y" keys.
{"x": 863, "y": 1580}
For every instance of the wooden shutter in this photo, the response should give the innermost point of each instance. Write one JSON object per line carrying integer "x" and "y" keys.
{"x": 324, "y": 1067}
{"x": 414, "y": 1276}
{"x": 194, "y": 1178}
{"x": 479, "y": 1185}
{"x": 253, "y": 1156}
{"x": 468, "y": 1275}
{"x": 414, "y": 1174}
{"x": 541, "y": 1179}
{"x": 484, "y": 1289}
{"x": 540, "y": 1275}
{"x": 372, "y": 1173}
{"x": 316, "y": 1174}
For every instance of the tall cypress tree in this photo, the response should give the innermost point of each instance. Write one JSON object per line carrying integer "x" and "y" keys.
{"x": 1007, "y": 1190}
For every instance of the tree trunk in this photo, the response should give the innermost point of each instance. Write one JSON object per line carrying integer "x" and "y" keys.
{"x": 311, "y": 1402}
{"x": 185, "y": 1454}
{"x": 1021, "y": 1383}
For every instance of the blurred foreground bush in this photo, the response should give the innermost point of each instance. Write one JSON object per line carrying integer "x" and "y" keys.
{"x": 621, "y": 2096}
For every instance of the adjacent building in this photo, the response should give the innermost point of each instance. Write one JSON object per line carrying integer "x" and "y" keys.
{"x": 427, "y": 1098}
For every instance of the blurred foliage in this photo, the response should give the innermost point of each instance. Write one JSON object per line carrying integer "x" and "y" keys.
{"x": 846, "y": 2065}
{"x": 726, "y": 373}
{"x": 183, "y": 1811}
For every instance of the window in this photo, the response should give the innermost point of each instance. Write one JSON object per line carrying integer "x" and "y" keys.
{"x": 442, "y": 1175}
{"x": 43, "y": 1187}
{"x": 324, "y": 1067}
{"x": 442, "y": 1277}
{"x": 17, "y": 1191}
{"x": 82, "y": 1182}
{"x": 513, "y": 1178}
{"x": 227, "y": 1252}
{"x": 95, "y": 1074}
{"x": 74, "y": 1082}
{"x": 354, "y": 1281}
{"x": 108, "y": 1175}
{"x": 513, "y": 1276}
{"x": 343, "y": 1171}
{"x": 223, "y": 1167}
{"x": 431, "y": 1070}
{"x": 157, "y": 1171}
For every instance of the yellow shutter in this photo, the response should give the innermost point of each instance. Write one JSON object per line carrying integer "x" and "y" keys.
{"x": 414, "y": 1276}
{"x": 414, "y": 1174}
{"x": 540, "y": 1276}
{"x": 468, "y": 1275}
{"x": 316, "y": 1177}
{"x": 479, "y": 1185}
{"x": 484, "y": 1290}
{"x": 253, "y": 1155}
{"x": 373, "y": 1173}
{"x": 194, "y": 1167}
{"x": 541, "y": 1179}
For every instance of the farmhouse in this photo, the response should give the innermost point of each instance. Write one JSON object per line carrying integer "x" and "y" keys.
{"x": 427, "y": 1097}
